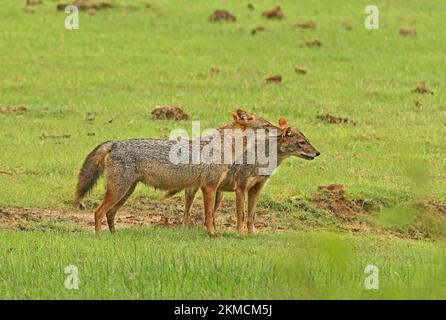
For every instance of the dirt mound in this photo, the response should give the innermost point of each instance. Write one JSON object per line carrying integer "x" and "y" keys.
{"x": 257, "y": 29}
{"x": 422, "y": 88}
{"x": 215, "y": 70}
{"x": 334, "y": 199}
{"x": 169, "y": 112}
{"x": 86, "y": 5}
{"x": 222, "y": 15}
{"x": 407, "y": 32}
{"x": 336, "y": 120}
{"x": 313, "y": 43}
{"x": 275, "y": 13}
{"x": 306, "y": 25}
{"x": 300, "y": 70}
{"x": 33, "y": 2}
{"x": 347, "y": 25}
{"x": 16, "y": 110}
{"x": 437, "y": 204}
{"x": 274, "y": 79}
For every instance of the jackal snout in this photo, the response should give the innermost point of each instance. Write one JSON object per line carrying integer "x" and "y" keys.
{"x": 294, "y": 142}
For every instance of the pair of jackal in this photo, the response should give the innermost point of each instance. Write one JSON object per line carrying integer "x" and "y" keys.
{"x": 129, "y": 162}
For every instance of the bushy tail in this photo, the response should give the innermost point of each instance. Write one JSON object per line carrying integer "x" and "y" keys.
{"x": 91, "y": 170}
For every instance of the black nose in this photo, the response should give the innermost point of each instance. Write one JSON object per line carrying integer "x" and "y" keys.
{"x": 318, "y": 153}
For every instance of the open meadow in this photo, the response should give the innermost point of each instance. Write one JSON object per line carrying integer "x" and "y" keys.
{"x": 371, "y": 101}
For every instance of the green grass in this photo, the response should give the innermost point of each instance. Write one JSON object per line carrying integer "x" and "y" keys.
{"x": 124, "y": 62}
{"x": 165, "y": 264}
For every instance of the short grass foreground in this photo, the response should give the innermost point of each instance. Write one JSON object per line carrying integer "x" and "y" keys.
{"x": 158, "y": 263}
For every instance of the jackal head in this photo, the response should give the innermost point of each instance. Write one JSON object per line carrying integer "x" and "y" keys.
{"x": 292, "y": 142}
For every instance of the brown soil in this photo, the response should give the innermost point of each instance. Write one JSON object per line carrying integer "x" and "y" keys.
{"x": 336, "y": 120}
{"x": 313, "y": 43}
{"x": 347, "y": 25}
{"x": 215, "y": 70}
{"x": 222, "y": 15}
{"x": 33, "y": 2}
{"x": 275, "y": 13}
{"x": 86, "y": 5}
{"x": 301, "y": 70}
{"x": 422, "y": 88}
{"x": 408, "y": 32}
{"x": 91, "y": 116}
{"x": 334, "y": 199}
{"x": 16, "y": 110}
{"x": 137, "y": 212}
{"x": 437, "y": 204}
{"x": 49, "y": 135}
{"x": 169, "y": 112}
{"x": 306, "y": 25}
{"x": 274, "y": 79}
{"x": 257, "y": 29}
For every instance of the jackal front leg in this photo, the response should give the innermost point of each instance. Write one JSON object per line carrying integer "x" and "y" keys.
{"x": 209, "y": 200}
{"x": 253, "y": 198}
{"x": 240, "y": 209}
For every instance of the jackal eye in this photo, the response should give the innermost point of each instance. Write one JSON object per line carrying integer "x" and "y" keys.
{"x": 302, "y": 142}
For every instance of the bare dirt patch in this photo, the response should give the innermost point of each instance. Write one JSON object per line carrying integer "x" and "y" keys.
{"x": 437, "y": 204}
{"x": 222, "y": 15}
{"x": 86, "y": 5}
{"x": 422, "y": 88}
{"x": 335, "y": 120}
{"x": 275, "y": 13}
{"x": 274, "y": 79}
{"x": 306, "y": 25}
{"x": 17, "y": 110}
{"x": 333, "y": 198}
{"x": 50, "y": 135}
{"x": 407, "y": 32}
{"x": 169, "y": 112}
{"x": 137, "y": 212}
{"x": 33, "y": 2}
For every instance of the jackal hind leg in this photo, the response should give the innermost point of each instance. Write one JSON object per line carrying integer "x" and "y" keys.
{"x": 112, "y": 212}
{"x": 117, "y": 185}
{"x": 189, "y": 195}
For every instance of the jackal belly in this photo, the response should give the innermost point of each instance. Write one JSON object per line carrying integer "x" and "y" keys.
{"x": 177, "y": 177}
{"x": 243, "y": 176}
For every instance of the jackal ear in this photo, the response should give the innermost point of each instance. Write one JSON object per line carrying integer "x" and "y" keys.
{"x": 283, "y": 123}
{"x": 242, "y": 116}
{"x": 234, "y": 116}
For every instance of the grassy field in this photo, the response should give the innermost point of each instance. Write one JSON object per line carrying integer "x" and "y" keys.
{"x": 101, "y": 82}
{"x": 143, "y": 263}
